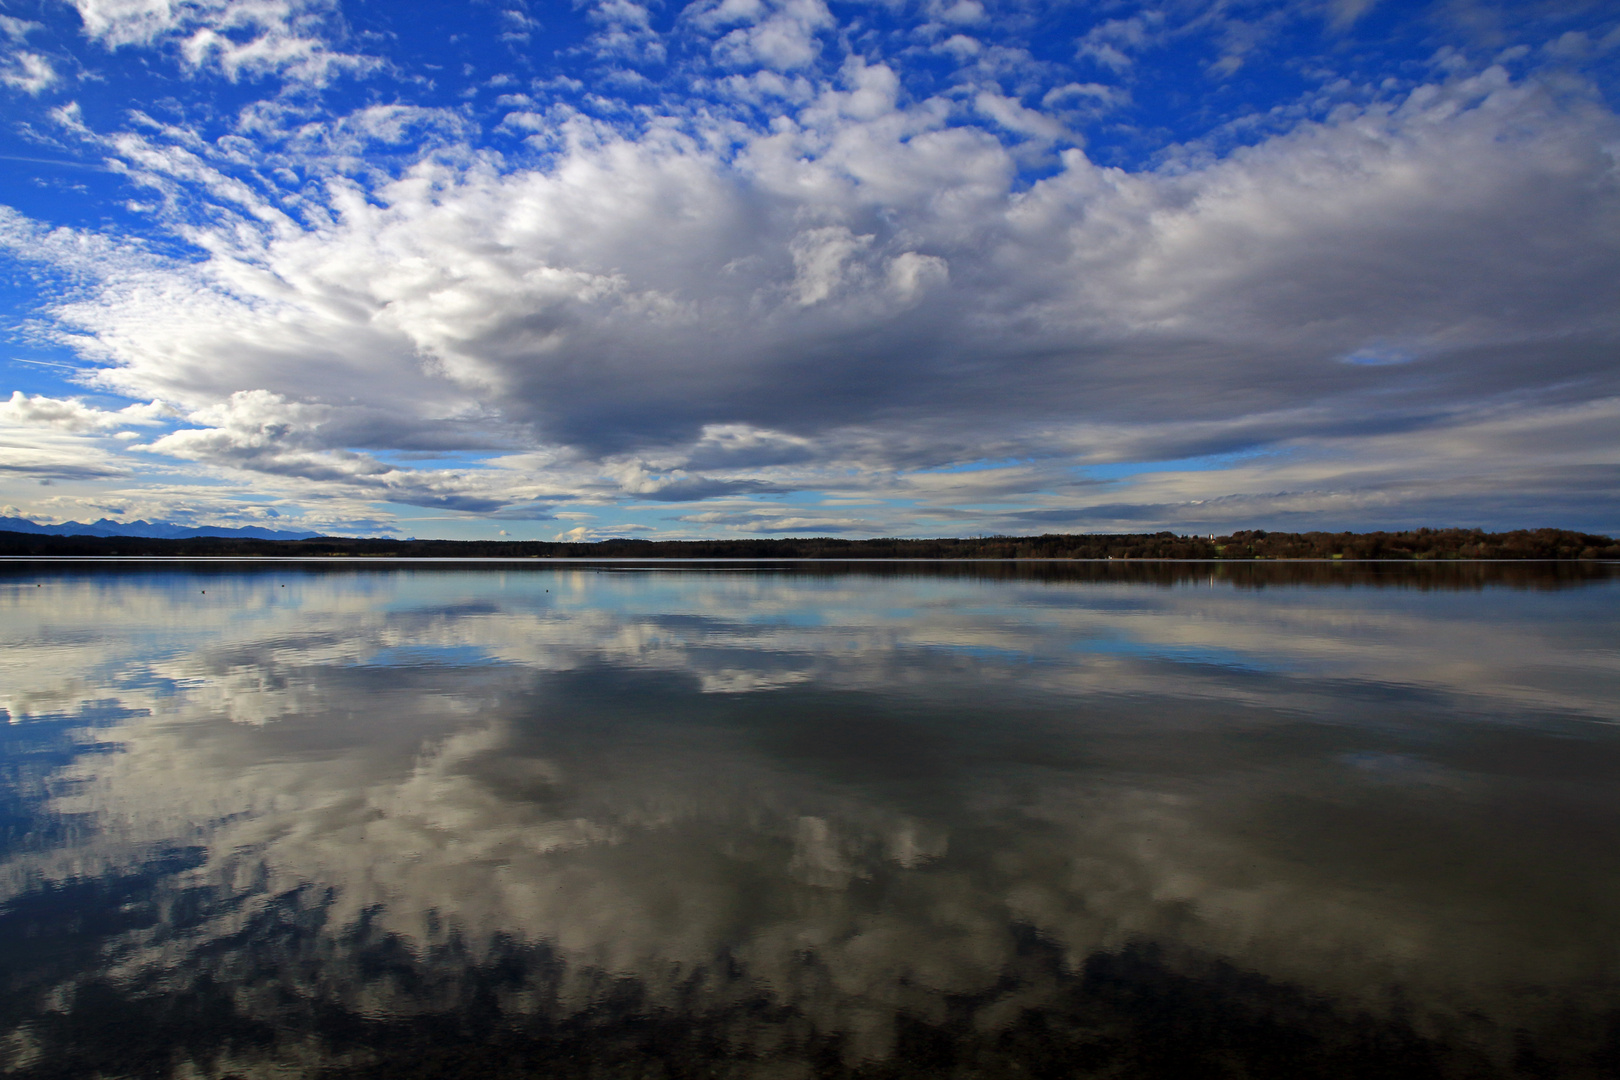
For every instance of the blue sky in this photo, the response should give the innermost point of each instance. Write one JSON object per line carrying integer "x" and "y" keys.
{"x": 748, "y": 267}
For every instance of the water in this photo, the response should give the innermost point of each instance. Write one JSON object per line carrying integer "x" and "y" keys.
{"x": 900, "y": 820}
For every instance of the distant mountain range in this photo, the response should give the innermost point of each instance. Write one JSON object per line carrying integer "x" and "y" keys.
{"x": 157, "y": 530}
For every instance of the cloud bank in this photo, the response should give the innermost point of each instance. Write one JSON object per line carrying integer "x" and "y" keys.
{"x": 742, "y": 255}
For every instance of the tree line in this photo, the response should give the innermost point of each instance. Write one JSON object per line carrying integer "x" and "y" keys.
{"x": 1248, "y": 544}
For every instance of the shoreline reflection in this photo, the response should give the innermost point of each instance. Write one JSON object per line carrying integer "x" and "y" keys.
{"x": 788, "y": 824}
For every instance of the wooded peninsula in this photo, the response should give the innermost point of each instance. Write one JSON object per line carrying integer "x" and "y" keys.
{"x": 1249, "y": 544}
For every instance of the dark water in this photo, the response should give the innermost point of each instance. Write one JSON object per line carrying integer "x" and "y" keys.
{"x": 1169, "y": 821}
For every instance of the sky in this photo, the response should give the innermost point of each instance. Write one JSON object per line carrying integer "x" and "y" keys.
{"x": 789, "y": 267}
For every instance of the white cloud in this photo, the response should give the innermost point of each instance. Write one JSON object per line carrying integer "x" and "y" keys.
{"x": 18, "y": 29}
{"x": 1079, "y": 94}
{"x": 1111, "y": 43}
{"x": 869, "y": 273}
{"x": 1343, "y": 13}
{"x": 517, "y": 25}
{"x": 962, "y": 46}
{"x": 911, "y": 274}
{"x": 234, "y": 37}
{"x": 778, "y": 34}
{"x": 624, "y": 32}
{"x": 47, "y": 439}
{"x": 27, "y": 71}
{"x": 70, "y": 414}
{"x": 962, "y": 12}
{"x": 261, "y": 432}
{"x": 1011, "y": 114}
{"x": 821, "y": 261}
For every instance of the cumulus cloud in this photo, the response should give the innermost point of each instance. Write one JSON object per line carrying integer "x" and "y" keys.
{"x": 871, "y": 273}
{"x": 71, "y": 414}
{"x": 779, "y": 34}
{"x": 624, "y": 32}
{"x": 1249, "y": 276}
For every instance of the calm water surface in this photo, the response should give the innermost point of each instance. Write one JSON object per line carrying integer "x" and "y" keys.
{"x": 1170, "y": 821}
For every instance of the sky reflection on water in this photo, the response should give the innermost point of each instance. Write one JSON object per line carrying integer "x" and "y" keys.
{"x": 779, "y": 823}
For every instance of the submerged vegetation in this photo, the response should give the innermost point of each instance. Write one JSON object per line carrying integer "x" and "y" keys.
{"x": 1417, "y": 544}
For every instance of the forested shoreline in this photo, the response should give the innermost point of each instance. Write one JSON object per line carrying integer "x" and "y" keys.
{"x": 1418, "y": 544}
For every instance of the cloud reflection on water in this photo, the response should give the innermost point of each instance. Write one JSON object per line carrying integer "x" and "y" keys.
{"x": 857, "y": 793}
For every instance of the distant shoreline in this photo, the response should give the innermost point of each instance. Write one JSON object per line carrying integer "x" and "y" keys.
{"x": 1418, "y": 545}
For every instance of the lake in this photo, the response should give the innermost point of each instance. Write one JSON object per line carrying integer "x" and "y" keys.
{"x": 819, "y": 820}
